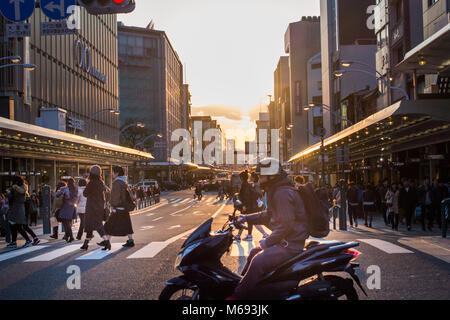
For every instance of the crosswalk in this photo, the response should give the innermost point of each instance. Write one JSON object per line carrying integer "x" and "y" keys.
{"x": 48, "y": 253}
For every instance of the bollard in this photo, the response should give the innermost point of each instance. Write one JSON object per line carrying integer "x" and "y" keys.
{"x": 46, "y": 209}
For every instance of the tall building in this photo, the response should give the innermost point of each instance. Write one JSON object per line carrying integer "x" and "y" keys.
{"x": 264, "y": 146}
{"x": 347, "y": 34}
{"x": 315, "y": 115}
{"x": 151, "y": 88}
{"x": 76, "y": 77}
{"x": 198, "y": 136}
{"x": 280, "y": 110}
{"x": 302, "y": 41}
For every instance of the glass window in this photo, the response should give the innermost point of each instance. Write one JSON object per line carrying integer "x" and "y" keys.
{"x": 139, "y": 42}
{"x": 131, "y": 41}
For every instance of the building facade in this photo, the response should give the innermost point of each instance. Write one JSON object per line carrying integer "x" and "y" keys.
{"x": 76, "y": 76}
{"x": 151, "y": 86}
{"x": 302, "y": 41}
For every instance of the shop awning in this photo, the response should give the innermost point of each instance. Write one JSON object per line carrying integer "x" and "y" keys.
{"x": 17, "y": 136}
{"x": 435, "y": 51}
{"x": 404, "y": 121}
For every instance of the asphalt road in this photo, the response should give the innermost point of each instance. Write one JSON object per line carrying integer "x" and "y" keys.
{"x": 412, "y": 265}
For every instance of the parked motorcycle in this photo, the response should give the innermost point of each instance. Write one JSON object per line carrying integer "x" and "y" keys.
{"x": 301, "y": 278}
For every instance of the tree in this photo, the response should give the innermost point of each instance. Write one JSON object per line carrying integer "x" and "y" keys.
{"x": 134, "y": 135}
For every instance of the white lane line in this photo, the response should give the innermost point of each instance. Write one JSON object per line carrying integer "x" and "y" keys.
{"x": 147, "y": 228}
{"x": 150, "y": 214}
{"x": 174, "y": 227}
{"x": 20, "y": 252}
{"x": 185, "y": 200}
{"x": 175, "y": 214}
{"x": 55, "y": 254}
{"x": 152, "y": 249}
{"x": 197, "y": 213}
{"x": 175, "y": 200}
{"x": 100, "y": 254}
{"x": 426, "y": 247}
{"x": 157, "y": 219}
{"x": 148, "y": 210}
{"x": 385, "y": 246}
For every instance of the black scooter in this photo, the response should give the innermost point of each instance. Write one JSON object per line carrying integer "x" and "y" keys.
{"x": 301, "y": 278}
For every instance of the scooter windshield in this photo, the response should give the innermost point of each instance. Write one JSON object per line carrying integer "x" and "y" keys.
{"x": 201, "y": 232}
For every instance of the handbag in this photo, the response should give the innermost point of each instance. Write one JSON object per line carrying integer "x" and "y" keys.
{"x": 59, "y": 202}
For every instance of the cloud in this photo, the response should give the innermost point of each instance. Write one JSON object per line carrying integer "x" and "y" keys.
{"x": 253, "y": 113}
{"x": 222, "y": 111}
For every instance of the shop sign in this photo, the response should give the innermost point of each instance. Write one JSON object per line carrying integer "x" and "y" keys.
{"x": 436, "y": 157}
{"x": 83, "y": 59}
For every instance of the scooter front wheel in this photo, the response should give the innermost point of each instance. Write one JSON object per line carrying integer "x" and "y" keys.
{"x": 179, "y": 293}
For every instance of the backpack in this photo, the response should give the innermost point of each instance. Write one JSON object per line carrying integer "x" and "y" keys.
{"x": 316, "y": 210}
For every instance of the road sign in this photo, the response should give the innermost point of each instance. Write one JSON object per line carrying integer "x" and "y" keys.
{"x": 57, "y": 9}
{"x": 56, "y": 28}
{"x": 18, "y": 30}
{"x": 17, "y": 10}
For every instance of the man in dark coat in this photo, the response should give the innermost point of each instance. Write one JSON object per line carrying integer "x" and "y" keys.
{"x": 407, "y": 202}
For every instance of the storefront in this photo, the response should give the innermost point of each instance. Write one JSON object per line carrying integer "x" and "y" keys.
{"x": 408, "y": 139}
{"x": 43, "y": 155}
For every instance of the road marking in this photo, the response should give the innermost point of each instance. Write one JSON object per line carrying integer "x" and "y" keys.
{"x": 174, "y": 214}
{"x": 424, "y": 246}
{"x": 196, "y": 213}
{"x": 20, "y": 252}
{"x": 210, "y": 200}
{"x": 157, "y": 219}
{"x": 242, "y": 248}
{"x": 175, "y": 200}
{"x": 152, "y": 249}
{"x": 100, "y": 254}
{"x": 175, "y": 227}
{"x": 150, "y": 214}
{"x": 55, "y": 254}
{"x": 385, "y": 246}
{"x": 185, "y": 200}
{"x": 147, "y": 228}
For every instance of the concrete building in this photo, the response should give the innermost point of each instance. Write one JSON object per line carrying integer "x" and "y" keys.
{"x": 76, "y": 77}
{"x": 347, "y": 34}
{"x": 302, "y": 41}
{"x": 280, "y": 108}
{"x": 315, "y": 115}
{"x": 399, "y": 28}
{"x": 263, "y": 146}
{"x": 151, "y": 84}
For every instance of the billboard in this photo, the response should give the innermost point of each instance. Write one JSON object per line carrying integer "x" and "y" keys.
{"x": 356, "y": 22}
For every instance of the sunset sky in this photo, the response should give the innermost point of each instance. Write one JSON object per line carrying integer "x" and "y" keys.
{"x": 230, "y": 49}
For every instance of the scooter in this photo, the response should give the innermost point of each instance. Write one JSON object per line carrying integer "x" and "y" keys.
{"x": 301, "y": 278}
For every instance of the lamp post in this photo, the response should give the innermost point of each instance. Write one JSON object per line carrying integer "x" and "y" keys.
{"x": 26, "y": 66}
{"x": 95, "y": 115}
{"x": 340, "y": 73}
{"x": 158, "y": 135}
{"x": 137, "y": 124}
{"x": 13, "y": 59}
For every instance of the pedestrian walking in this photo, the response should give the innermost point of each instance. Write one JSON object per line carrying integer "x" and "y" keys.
{"x": 389, "y": 200}
{"x": 17, "y": 217}
{"x": 68, "y": 211}
{"x": 382, "y": 197}
{"x": 425, "y": 203}
{"x": 437, "y": 195}
{"x": 57, "y": 203}
{"x": 119, "y": 222}
{"x": 353, "y": 204}
{"x": 81, "y": 207}
{"x": 395, "y": 207}
{"x": 4, "y": 225}
{"x": 34, "y": 208}
{"x": 95, "y": 208}
{"x": 369, "y": 204}
{"x": 407, "y": 202}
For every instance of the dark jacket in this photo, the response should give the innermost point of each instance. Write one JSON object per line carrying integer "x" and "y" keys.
{"x": 407, "y": 199}
{"x": 95, "y": 203}
{"x": 16, "y": 200}
{"x": 248, "y": 197}
{"x": 287, "y": 216}
{"x": 118, "y": 193}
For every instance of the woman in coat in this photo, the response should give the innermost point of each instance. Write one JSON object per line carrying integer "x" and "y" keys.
{"x": 68, "y": 211}
{"x": 16, "y": 217}
{"x": 81, "y": 207}
{"x": 369, "y": 204}
{"x": 119, "y": 222}
{"x": 95, "y": 208}
{"x": 54, "y": 221}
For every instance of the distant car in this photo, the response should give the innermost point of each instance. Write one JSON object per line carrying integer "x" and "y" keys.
{"x": 147, "y": 183}
{"x": 171, "y": 185}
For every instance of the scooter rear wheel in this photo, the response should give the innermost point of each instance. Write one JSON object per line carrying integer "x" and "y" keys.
{"x": 178, "y": 293}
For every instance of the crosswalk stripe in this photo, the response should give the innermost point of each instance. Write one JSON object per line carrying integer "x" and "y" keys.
{"x": 242, "y": 249}
{"x": 149, "y": 251}
{"x": 157, "y": 219}
{"x": 385, "y": 246}
{"x": 427, "y": 248}
{"x": 185, "y": 200}
{"x": 20, "y": 252}
{"x": 55, "y": 254}
{"x": 100, "y": 254}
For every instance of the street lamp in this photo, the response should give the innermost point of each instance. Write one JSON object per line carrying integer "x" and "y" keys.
{"x": 340, "y": 73}
{"x": 12, "y": 59}
{"x": 348, "y": 63}
{"x": 158, "y": 135}
{"x": 26, "y": 66}
{"x": 137, "y": 124}
{"x": 95, "y": 115}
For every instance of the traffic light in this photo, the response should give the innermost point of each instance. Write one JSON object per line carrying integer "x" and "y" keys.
{"x": 108, "y": 6}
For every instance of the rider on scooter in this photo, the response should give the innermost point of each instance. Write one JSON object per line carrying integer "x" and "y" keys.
{"x": 287, "y": 215}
